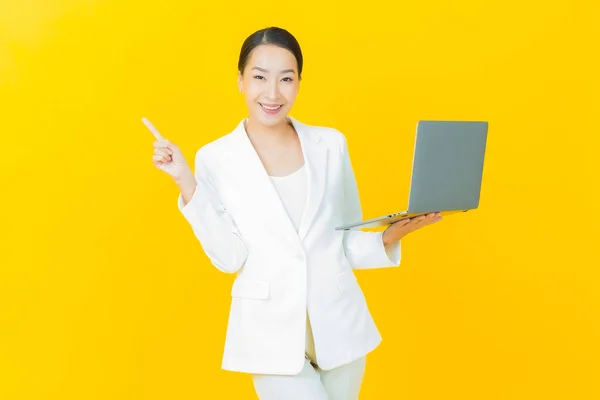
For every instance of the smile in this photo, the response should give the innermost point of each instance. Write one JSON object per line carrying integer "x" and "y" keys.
{"x": 271, "y": 108}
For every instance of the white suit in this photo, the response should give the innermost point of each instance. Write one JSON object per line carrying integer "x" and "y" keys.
{"x": 243, "y": 227}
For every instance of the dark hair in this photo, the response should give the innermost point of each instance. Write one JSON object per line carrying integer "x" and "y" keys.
{"x": 271, "y": 35}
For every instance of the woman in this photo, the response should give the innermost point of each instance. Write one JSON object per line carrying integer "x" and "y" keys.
{"x": 264, "y": 202}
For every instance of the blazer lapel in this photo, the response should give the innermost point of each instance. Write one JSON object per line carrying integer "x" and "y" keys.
{"x": 315, "y": 158}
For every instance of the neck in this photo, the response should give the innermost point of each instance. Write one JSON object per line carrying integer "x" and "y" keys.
{"x": 276, "y": 133}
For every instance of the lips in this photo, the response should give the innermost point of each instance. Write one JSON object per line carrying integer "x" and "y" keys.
{"x": 271, "y": 107}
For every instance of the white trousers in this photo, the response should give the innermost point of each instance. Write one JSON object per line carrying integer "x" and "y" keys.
{"x": 312, "y": 383}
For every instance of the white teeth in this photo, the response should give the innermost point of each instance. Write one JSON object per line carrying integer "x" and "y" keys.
{"x": 270, "y": 108}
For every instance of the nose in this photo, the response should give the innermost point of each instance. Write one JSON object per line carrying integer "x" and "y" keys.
{"x": 273, "y": 90}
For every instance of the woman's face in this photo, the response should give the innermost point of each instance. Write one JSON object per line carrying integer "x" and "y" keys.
{"x": 270, "y": 84}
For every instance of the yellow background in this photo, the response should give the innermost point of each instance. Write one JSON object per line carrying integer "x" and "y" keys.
{"x": 105, "y": 292}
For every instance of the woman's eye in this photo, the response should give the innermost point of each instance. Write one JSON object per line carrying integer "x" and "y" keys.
{"x": 288, "y": 79}
{"x": 259, "y": 77}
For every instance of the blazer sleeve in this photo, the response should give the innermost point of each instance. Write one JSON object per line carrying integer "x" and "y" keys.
{"x": 212, "y": 225}
{"x": 364, "y": 249}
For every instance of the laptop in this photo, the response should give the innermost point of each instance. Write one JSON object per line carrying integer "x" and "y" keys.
{"x": 447, "y": 171}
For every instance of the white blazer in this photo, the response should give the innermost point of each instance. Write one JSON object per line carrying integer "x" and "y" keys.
{"x": 243, "y": 228}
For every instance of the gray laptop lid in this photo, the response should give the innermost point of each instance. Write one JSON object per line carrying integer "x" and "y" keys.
{"x": 447, "y": 165}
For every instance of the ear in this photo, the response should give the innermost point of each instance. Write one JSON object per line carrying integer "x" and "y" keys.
{"x": 240, "y": 82}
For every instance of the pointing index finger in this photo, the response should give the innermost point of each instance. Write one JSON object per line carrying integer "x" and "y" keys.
{"x": 152, "y": 128}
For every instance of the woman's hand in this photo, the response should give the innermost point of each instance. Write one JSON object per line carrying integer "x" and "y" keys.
{"x": 399, "y": 229}
{"x": 167, "y": 156}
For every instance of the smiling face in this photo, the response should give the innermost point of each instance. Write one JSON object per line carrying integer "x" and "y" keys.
{"x": 270, "y": 84}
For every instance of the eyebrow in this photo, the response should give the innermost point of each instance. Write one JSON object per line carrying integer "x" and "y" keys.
{"x": 266, "y": 71}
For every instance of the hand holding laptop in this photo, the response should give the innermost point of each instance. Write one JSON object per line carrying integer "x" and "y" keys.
{"x": 396, "y": 231}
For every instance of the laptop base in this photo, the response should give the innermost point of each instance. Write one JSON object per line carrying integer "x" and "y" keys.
{"x": 390, "y": 219}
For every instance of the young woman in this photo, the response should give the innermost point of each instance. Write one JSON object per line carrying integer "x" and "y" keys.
{"x": 264, "y": 201}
